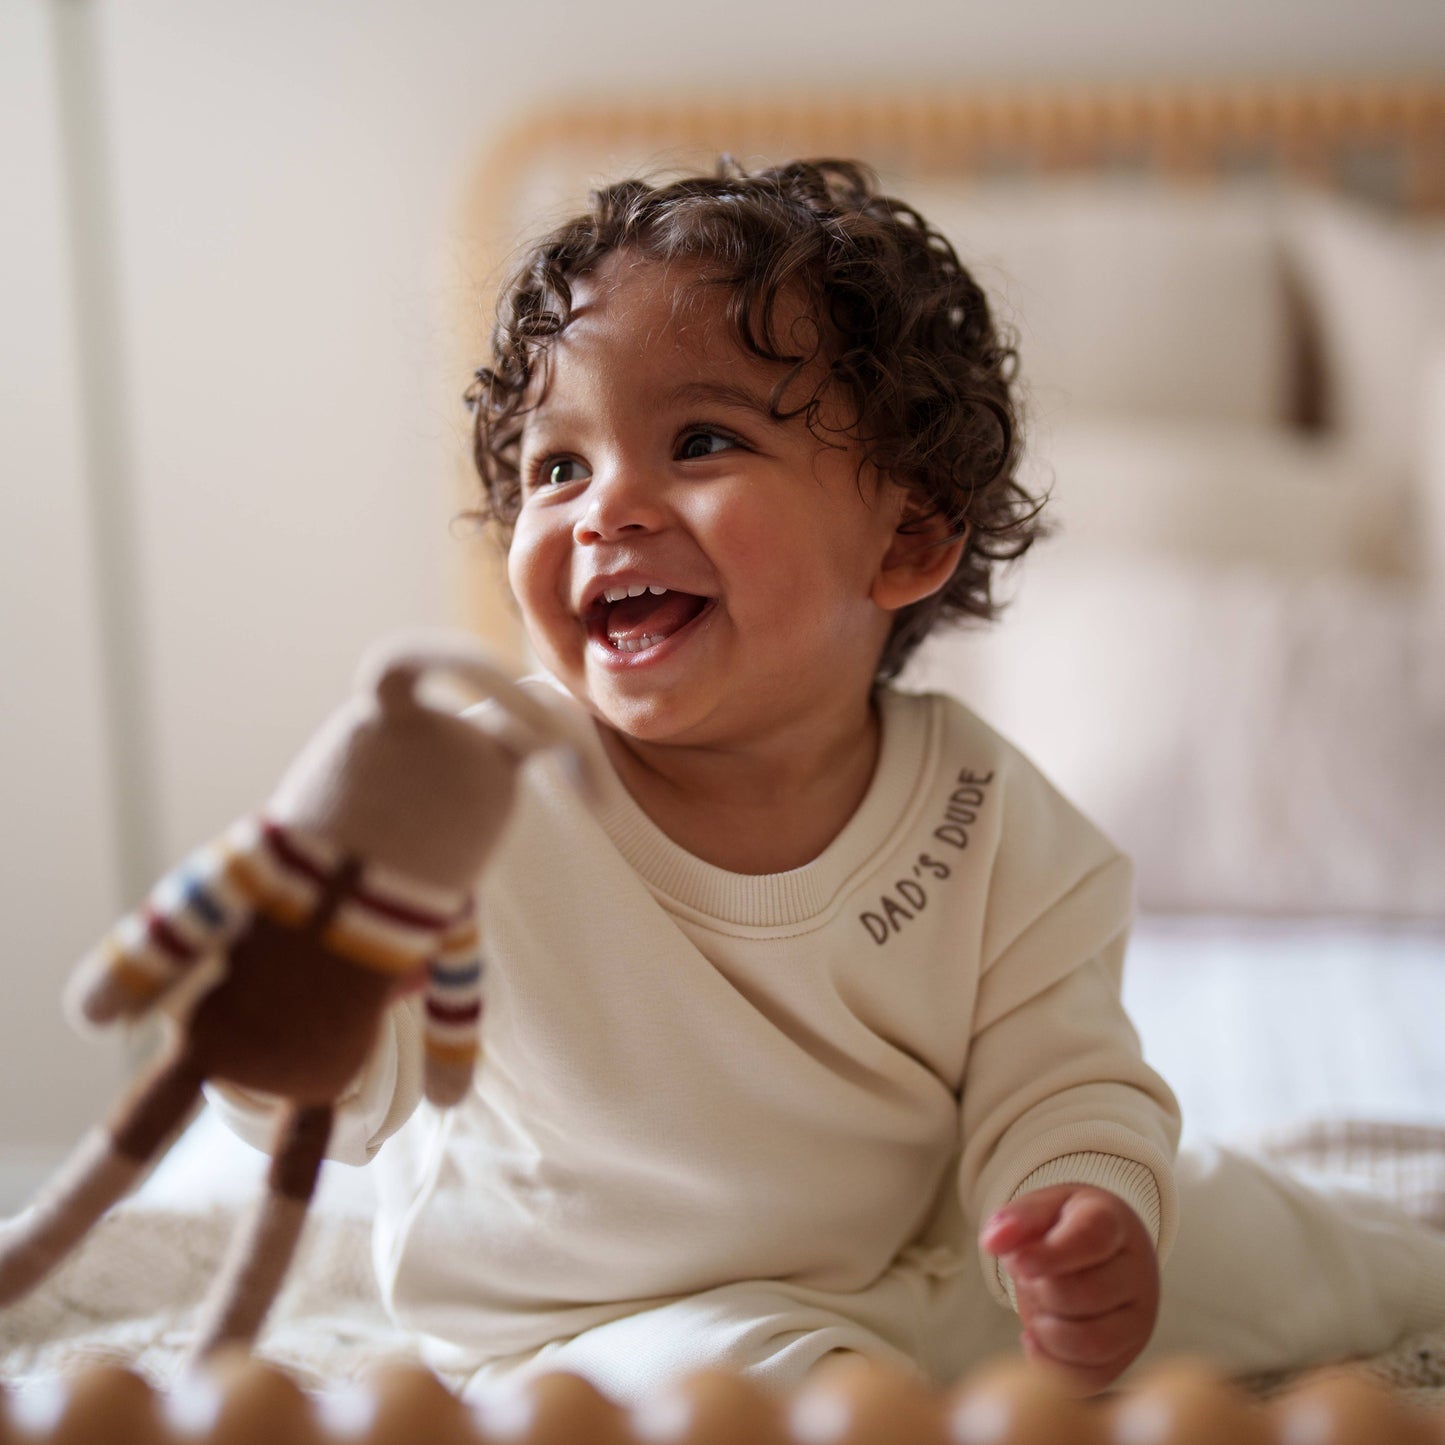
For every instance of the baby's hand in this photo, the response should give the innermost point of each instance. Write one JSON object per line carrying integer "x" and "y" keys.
{"x": 1085, "y": 1278}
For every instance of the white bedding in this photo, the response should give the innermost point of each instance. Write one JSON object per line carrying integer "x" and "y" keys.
{"x": 1259, "y": 1023}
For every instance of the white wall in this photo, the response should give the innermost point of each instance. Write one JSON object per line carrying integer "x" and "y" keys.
{"x": 286, "y": 184}
{"x": 58, "y": 883}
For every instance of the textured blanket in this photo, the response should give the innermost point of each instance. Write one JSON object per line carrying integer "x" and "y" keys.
{"x": 129, "y": 1294}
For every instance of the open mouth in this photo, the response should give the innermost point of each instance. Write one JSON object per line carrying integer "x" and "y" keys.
{"x": 638, "y": 618}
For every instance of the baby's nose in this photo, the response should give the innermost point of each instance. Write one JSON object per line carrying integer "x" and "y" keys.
{"x": 622, "y": 500}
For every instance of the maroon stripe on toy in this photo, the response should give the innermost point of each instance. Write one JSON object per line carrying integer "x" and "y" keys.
{"x": 287, "y": 856}
{"x": 399, "y": 912}
{"x": 453, "y": 1013}
{"x": 167, "y": 939}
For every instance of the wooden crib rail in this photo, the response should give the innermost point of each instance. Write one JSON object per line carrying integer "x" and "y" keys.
{"x": 245, "y": 1402}
{"x": 1385, "y": 134}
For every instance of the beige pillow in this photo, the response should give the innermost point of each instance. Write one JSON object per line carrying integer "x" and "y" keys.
{"x": 1131, "y": 298}
{"x": 1374, "y": 290}
{"x": 1229, "y": 494}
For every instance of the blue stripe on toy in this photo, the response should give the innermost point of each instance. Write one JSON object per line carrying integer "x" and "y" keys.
{"x": 200, "y": 902}
{"x": 457, "y": 975}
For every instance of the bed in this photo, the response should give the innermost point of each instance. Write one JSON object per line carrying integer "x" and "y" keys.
{"x": 1231, "y": 307}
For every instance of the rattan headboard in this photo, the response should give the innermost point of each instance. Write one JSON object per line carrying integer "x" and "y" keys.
{"x": 1383, "y": 139}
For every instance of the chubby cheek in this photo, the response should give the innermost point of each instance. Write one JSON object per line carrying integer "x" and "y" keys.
{"x": 537, "y": 572}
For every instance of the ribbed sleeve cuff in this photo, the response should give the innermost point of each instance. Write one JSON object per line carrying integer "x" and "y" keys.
{"x": 1127, "y": 1179}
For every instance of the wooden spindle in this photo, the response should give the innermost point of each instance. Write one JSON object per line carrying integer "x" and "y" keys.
{"x": 857, "y": 1403}
{"x": 1012, "y": 1402}
{"x": 409, "y": 1405}
{"x": 551, "y": 1409}
{"x": 106, "y": 1402}
{"x": 252, "y": 1403}
{"x": 712, "y": 1407}
{"x": 1346, "y": 1410}
{"x": 1185, "y": 1403}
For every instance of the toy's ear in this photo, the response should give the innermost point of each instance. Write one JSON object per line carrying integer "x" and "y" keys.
{"x": 524, "y": 722}
{"x": 921, "y": 556}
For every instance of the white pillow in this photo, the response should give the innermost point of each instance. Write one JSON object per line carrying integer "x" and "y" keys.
{"x": 1243, "y": 494}
{"x": 1131, "y": 297}
{"x": 1257, "y": 743}
{"x": 1374, "y": 288}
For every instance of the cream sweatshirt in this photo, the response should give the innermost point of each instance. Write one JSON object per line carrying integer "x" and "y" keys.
{"x": 692, "y": 1077}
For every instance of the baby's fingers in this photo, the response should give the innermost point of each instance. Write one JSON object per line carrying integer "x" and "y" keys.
{"x": 1089, "y": 1230}
{"x": 1090, "y": 1343}
{"x": 1080, "y": 1295}
{"x": 1027, "y": 1218}
{"x": 1091, "y": 1355}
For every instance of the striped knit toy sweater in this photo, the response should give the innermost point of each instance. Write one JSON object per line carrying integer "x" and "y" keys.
{"x": 387, "y": 923}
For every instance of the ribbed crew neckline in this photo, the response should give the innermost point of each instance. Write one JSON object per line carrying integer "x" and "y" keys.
{"x": 687, "y": 885}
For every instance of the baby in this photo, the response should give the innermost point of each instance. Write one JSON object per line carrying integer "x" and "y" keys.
{"x": 807, "y": 1040}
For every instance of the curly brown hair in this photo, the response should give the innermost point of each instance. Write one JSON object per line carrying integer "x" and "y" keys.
{"x": 909, "y": 343}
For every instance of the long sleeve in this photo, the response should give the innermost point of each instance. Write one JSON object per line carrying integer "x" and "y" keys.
{"x": 1056, "y": 1090}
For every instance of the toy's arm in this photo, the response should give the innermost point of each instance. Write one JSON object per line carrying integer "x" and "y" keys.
{"x": 193, "y": 912}
{"x": 453, "y": 1013}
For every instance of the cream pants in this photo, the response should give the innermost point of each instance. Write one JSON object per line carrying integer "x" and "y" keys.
{"x": 1267, "y": 1272}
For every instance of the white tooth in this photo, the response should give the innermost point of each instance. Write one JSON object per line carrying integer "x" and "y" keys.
{"x": 636, "y": 591}
{"x": 614, "y": 594}
{"x": 657, "y": 591}
{"x": 637, "y": 644}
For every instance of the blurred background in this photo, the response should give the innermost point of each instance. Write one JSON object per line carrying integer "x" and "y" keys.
{"x": 243, "y": 257}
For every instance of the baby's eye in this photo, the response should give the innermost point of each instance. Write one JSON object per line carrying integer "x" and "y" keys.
{"x": 559, "y": 471}
{"x": 704, "y": 444}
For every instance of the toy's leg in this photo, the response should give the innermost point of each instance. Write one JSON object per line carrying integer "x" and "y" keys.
{"x": 261, "y": 1252}
{"x": 107, "y": 1162}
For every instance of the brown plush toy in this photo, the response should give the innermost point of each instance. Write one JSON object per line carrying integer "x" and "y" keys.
{"x": 351, "y": 887}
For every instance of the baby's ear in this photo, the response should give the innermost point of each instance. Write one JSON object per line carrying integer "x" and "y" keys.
{"x": 921, "y": 556}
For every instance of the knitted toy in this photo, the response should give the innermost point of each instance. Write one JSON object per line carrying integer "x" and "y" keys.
{"x": 351, "y": 887}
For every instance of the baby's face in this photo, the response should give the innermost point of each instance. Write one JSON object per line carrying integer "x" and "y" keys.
{"x": 693, "y": 570}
